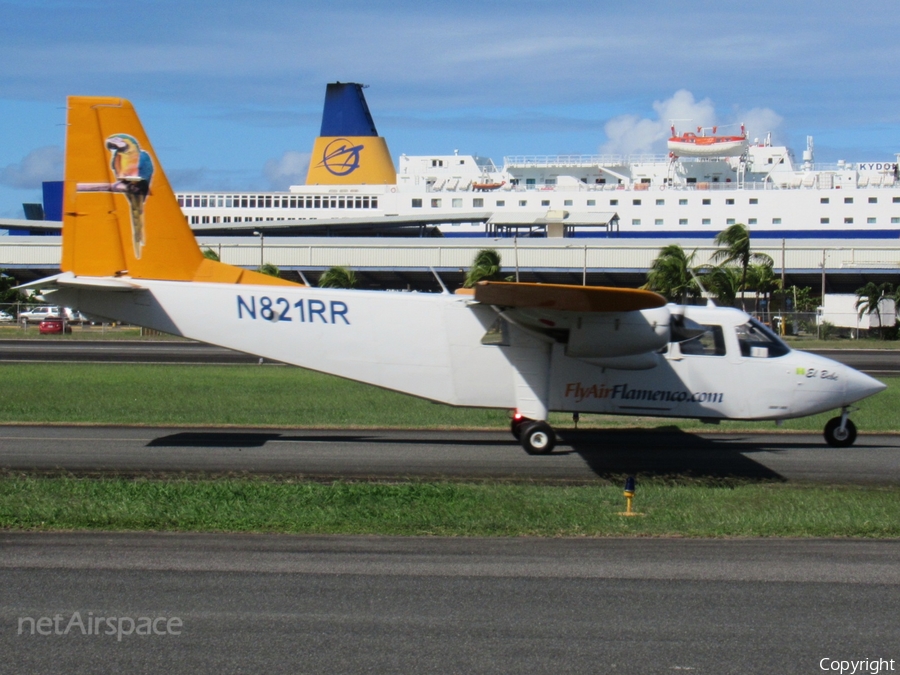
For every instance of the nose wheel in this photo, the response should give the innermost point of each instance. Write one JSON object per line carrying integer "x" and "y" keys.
{"x": 840, "y": 432}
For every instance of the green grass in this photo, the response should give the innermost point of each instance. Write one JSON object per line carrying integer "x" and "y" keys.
{"x": 446, "y": 509}
{"x": 164, "y": 395}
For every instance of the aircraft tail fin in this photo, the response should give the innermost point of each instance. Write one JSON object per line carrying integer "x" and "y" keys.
{"x": 120, "y": 216}
{"x": 349, "y": 149}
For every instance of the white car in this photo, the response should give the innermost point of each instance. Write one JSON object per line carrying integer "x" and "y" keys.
{"x": 4, "y": 316}
{"x": 41, "y": 312}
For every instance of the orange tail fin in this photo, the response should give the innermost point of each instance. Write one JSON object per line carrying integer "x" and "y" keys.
{"x": 120, "y": 216}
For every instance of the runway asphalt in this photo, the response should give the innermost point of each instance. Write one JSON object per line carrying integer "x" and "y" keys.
{"x": 581, "y": 456}
{"x": 872, "y": 361}
{"x": 226, "y": 604}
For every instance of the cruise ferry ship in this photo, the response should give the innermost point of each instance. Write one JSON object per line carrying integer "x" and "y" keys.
{"x": 704, "y": 184}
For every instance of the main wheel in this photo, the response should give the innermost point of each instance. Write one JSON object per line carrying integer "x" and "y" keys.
{"x": 516, "y": 425}
{"x": 538, "y": 438}
{"x": 837, "y": 437}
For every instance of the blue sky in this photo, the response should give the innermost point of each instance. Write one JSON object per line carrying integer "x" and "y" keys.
{"x": 231, "y": 91}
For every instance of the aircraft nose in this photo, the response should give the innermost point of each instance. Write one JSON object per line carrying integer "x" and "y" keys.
{"x": 860, "y": 385}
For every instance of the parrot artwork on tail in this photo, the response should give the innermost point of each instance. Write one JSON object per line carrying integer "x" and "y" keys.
{"x": 133, "y": 169}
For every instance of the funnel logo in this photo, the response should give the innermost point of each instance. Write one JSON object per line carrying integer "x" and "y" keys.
{"x": 133, "y": 169}
{"x": 341, "y": 157}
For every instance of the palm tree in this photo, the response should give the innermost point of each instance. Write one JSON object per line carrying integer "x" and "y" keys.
{"x": 761, "y": 278}
{"x": 338, "y": 277}
{"x": 269, "y": 269}
{"x": 736, "y": 240}
{"x": 209, "y": 254}
{"x": 723, "y": 281}
{"x": 868, "y": 300}
{"x": 670, "y": 275}
{"x": 485, "y": 266}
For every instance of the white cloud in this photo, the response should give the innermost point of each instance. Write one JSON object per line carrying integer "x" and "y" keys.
{"x": 629, "y": 134}
{"x": 41, "y": 164}
{"x": 289, "y": 169}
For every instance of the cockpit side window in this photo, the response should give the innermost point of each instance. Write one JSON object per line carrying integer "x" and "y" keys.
{"x": 709, "y": 343}
{"x": 758, "y": 341}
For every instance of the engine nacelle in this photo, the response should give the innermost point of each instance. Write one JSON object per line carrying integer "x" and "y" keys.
{"x": 609, "y": 334}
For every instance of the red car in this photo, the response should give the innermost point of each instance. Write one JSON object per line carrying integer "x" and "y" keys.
{"x": 53, "y": 325}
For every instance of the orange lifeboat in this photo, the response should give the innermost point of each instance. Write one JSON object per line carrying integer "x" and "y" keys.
{"x": 487, "y": 187}
{"x": 691, "y": 145}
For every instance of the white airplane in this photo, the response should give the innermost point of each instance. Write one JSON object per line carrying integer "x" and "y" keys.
{"x": 129, "y": 255}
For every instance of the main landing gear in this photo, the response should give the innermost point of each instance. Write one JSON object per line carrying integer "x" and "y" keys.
{"x": 840, "y": 432}
{"x": 537, "y": 437}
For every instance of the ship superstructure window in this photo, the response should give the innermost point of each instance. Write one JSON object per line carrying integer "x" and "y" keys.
{"x": 545, "y": 202}
{"x": 435, "y": 203}
{"x": 478, "y": 202}
{"x": 592, "y": 202}
{"x": 824, "y": 200}
{"x": 848, "y": 200}
{"x": 707, "y": 202}
{"x": 896, "y": 200}
{"x": 871, "y": 221}
{"x": 682, "y": 221}
{"x": 752, "y": 221}
{"x": 456, "y": 203}
{"x": 682, "y": 202}
{"x": 417, "y": 203}
{"x": 754, "y": 201}
{"x": 776, "y": 221}
{"x": 567, "y": 202}
{"x": 729, "y": 221}
{"x": 658, "y": 221}
{"x": 873, "y": 200}
{"x": 729, "y": 202}
{"x": 501, "y": 202}
{"x": 613, "y": 202}
{"x": 530, "y": 182}
{"x": 660, "y": 202}
{"x": 848, "y": 221}
{"x": 635, "y": 221}
{"x": 523, "y": 202}
{"x": 635, "y": 202}
{"x": 824, "y": 221}
{"x": 895, "y": 221}
{"x": 707, "y": 221}
{"x": 437, "y": 162}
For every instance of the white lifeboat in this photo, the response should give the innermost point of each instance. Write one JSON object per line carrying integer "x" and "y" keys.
{"x": 693, "y": 145}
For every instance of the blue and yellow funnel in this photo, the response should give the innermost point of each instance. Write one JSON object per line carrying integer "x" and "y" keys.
{"x": 349, "y": 150}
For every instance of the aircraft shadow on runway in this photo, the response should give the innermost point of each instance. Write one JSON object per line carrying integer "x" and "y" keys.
{"x": 666, "y": 452}
{"x": 610, "y": 454}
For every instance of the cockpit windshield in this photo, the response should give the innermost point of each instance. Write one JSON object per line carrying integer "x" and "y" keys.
{"x": 758, "y": 341}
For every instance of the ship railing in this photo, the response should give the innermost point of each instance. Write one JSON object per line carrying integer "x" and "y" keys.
{"x": 527, "y": 161}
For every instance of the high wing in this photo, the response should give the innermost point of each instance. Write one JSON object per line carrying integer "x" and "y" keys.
{"x": 613, "y": 327}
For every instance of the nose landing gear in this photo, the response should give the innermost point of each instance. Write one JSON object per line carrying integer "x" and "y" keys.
{"x": 840, "y": 432}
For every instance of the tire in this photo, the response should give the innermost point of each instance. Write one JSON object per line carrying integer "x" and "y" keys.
{"x": 516, "y": 426}
{"x": 538, "y": 438}
{"x": 835, "y": 437}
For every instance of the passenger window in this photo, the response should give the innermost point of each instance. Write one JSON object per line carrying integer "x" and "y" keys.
{"x": 758, "y": 341}
{"x": 710, "y": 343}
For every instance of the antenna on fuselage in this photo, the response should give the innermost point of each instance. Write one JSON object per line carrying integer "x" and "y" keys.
{"x": 709, "y": 300}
